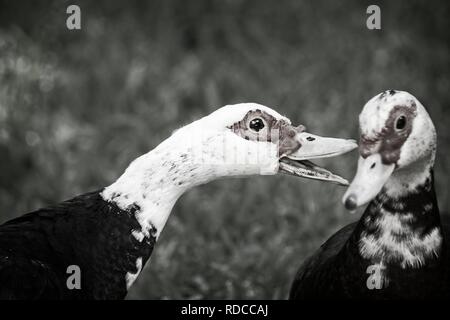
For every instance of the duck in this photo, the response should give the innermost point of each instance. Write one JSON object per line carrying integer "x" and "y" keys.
{"x": 95, "y": 245}
{"x": 398, "y": 248}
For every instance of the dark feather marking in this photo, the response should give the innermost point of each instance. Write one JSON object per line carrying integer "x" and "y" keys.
{"x": 389, "y": 141}
{"x": 337, "y": 270}
{"x": 392, "y": 92}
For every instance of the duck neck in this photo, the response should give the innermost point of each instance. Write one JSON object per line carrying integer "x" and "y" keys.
{"x": 401, "y": 226}
{"x": 152, "y": 184}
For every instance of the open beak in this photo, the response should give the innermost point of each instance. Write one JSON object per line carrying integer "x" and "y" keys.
{"x": 298, "y": 163}
{"x": 370, "y": 178}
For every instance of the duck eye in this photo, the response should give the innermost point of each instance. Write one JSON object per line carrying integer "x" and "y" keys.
{"x": 400, "y": 124}
{"x": 256, "y": 124}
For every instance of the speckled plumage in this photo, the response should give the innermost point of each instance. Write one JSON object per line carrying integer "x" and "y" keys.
{"x": 338, "y": 270}
{"x": 37, "y": 248}
{"x": 398, "y": 249}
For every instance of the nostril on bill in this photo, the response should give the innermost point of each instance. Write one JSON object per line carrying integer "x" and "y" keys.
{"x": 350, "y": 202}
{"x": 372, "y": 166}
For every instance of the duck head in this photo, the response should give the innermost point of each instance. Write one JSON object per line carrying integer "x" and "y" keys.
{"x": 397, "y": 148}
{"x": 248, "y": 139}
{"x": 236, "y": 140}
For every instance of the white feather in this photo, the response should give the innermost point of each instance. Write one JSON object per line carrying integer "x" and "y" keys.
{"x": 195, "y": 154}
{"x": 130, "y": 278}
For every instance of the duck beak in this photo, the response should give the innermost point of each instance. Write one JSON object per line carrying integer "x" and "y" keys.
{"x": 370, "y": 178}
{"x": 298, "y": 162}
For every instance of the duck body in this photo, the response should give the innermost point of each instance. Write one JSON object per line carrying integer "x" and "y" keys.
{"x": 37, "y": 249}
{"x": 107, "y": 236}
{"x": 398, "y": 248}
{"x": 340, "y": 271}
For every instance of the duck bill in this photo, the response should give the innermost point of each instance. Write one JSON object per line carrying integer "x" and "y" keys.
{"x": 298, "y": 163}
{"x": 370, "y": 178}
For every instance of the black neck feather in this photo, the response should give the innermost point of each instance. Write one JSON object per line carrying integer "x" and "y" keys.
{"x": 416, "y": 212}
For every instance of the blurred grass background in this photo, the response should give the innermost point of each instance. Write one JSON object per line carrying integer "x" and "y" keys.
{"x": 77, "y": 106}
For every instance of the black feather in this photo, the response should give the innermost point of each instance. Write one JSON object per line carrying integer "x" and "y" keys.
{"x": 36, "y": 249}
{"x": 338, "y": 271}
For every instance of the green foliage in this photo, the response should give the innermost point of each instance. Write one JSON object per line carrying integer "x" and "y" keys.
{"x": 77, "y": 106}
